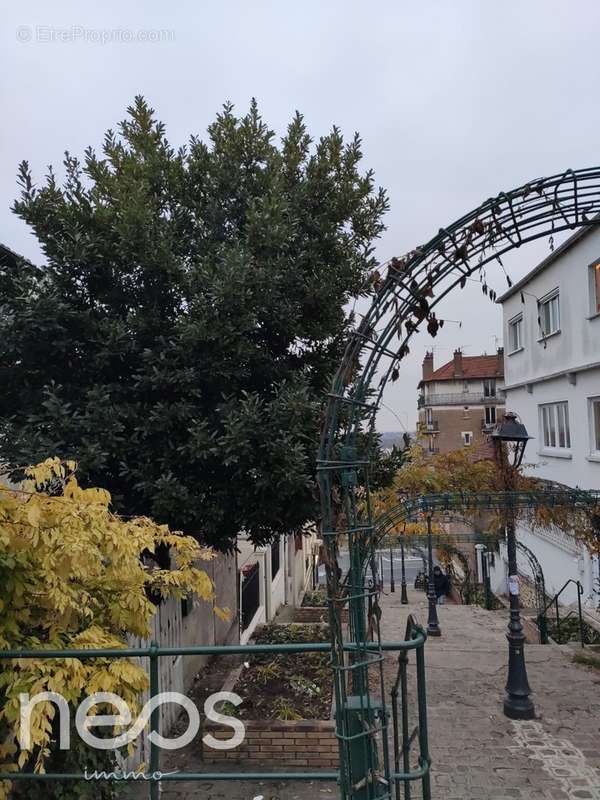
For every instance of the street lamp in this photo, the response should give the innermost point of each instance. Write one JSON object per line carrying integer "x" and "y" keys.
{"x": 403, "y": 594}
{"x": 433, "y": 625}
{"x": 510, "y": 438}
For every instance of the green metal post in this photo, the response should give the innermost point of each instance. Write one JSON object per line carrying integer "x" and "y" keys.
{"x": 424, "y": 758}
{"x": 154, "y": 722}
{"x": 581, "y": 628}
{"x": 405, "y": 730}
{"x": 543, "y": 628}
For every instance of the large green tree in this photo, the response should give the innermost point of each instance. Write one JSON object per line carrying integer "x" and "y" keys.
{"x": 181, "y": 335}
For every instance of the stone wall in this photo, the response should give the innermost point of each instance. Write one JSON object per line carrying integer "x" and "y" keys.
{"x": 312, "y": 614}
{"x": 310, "y": 744}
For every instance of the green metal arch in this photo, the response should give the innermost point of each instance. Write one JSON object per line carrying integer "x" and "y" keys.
{"x": 496, "y": 501}
{"x": 404, "y": 301}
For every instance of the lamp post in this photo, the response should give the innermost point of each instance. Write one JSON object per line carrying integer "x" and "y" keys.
{"x": 403, "y": 594}
{"x": 392, "y": 581}
{"x": 433, "y": 625}
{"x": 510, "y": 438}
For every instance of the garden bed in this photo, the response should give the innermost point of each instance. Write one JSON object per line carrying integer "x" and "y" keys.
{"x": 286, "y": 704}
{"x": 569, "y": 631}
{"x": 314, "y": 608}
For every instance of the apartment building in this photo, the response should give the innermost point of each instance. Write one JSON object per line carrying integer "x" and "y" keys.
{"x": 460, "y": 401}
{"x": 551, "y": 324}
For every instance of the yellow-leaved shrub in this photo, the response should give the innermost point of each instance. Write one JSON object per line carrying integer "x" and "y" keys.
{"x": 75, "y": 575}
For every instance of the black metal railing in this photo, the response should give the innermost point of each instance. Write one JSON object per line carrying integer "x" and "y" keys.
{"x": 462, "y": 399}
{"x": 275, "y": 558}
{"x": 553, "y": 603}
{"x": 250, "y": 595}
{"x": 429, "y": 426}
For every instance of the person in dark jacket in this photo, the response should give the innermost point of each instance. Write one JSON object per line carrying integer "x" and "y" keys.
{"x": 441, "y": 584}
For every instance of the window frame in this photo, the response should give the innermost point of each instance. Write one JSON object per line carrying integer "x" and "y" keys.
{"x": 488, "y": 413}
{"x": 546, "y": 300}
{"x": 594, "y": 426}
{"x": 554, "y": 427}
{"x": 490, "y": 387}
{"x": 515, "y": 323}
{"x": 594, "y": 285}
{"x": 464, "y": 435}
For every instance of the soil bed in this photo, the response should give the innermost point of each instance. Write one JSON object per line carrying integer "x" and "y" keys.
{"x": 289, "y": 686}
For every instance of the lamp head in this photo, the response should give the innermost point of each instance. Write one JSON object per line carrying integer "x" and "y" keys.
{"x": 514, "y": 434}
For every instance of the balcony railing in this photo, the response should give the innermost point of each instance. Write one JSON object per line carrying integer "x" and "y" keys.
{"x": 429, "y": 427}
{"x": 463, "y": 399}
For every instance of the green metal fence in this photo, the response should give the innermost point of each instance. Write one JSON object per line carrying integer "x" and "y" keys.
{"x": 350, "y": 745}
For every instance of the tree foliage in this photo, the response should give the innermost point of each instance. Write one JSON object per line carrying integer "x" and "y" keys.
{"x": 74, "y": 575}
{"x": 421, "y": 474}
{"x": 181, "y": 336}
{"x": 461, "y": 471}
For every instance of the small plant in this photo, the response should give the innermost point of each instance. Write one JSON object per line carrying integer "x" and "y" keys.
{"x": 569, "y": 631}
{"x": 315, "y": 599}
{"x": 228, "y": 709}
{"x": 267, "y": 672}
{"x": 284, "y": 710}
{"x": 303, "y": 685}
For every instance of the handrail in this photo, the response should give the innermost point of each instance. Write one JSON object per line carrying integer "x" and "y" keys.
{"x": 542, "y": 621}
{"x": 561, "y": 590}
{"x": 403, "y": 737}
{"x": 416, "y": 637}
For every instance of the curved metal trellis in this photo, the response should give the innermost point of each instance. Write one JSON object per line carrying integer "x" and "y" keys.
{"x": 404, "y": 302}
{"x": 539, "y": 582}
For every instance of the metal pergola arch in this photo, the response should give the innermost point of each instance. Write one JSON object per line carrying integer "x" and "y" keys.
{"x": 404, "y": 301}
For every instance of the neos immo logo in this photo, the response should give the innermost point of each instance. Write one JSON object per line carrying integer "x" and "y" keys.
{"x": 85, "y": 722}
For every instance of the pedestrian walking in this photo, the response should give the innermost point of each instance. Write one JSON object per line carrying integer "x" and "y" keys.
{"x": 441, "y": 584}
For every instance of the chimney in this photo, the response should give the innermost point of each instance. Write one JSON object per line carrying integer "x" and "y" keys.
{"x": 457, "y": 370}
{"x": 500, "y": 364}
{"x": 428, "y": 366}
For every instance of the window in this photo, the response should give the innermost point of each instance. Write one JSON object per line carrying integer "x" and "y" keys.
{"x": 489, "y": 387}
{"x": 515, "y": 334}
{"x": 467, "y": 437}
{"x": 490, "y": 415}
{"x": 429, "y": 416}
{"x": 554, "y": 422}
{"x": 549, "y": 314}
{"x": 595, "y": 424}
{"x": 595, "y": 288}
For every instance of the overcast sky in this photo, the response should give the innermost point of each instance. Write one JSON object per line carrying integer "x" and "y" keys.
{"x": 456, "y": 100}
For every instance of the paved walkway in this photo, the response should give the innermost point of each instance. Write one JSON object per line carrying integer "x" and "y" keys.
{"x": 477, "y": 753}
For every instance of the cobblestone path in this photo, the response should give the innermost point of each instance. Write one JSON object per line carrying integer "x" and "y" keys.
{"x": 478, "y": 754}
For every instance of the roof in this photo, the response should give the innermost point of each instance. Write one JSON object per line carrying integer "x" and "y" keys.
{"x": 8, "y": 256}
{"x": 473, "y": 367}
{"x": 566, "y": 245}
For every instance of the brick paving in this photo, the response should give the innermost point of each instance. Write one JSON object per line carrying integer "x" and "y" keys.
{"x": 478, "y": 754}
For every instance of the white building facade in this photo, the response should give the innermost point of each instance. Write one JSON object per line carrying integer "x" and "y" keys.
{"x": 551, "y": 322}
